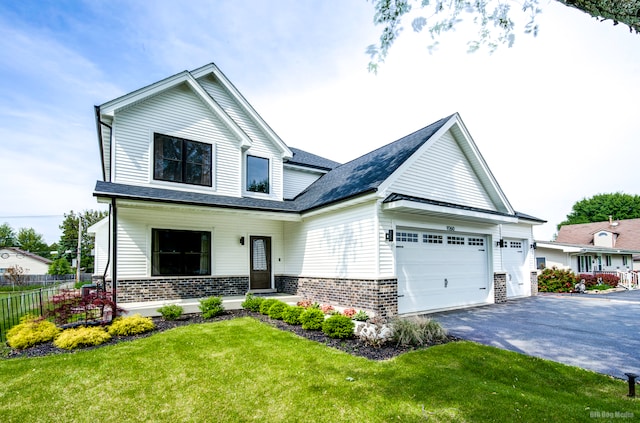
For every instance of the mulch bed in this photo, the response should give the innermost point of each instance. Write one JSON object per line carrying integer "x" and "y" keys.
{"x": 352, "y": 346}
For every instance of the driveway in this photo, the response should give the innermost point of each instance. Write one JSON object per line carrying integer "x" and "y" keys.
{"x": 595, "y": 332}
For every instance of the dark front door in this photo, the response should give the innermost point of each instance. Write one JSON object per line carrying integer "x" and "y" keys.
{"x": 260, "y": 274}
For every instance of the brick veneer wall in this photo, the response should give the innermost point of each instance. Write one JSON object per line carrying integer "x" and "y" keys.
{"x": 175, "y": 288}
{"x": 500, "y": 287}
{"x": 377, "y": 295}
{"x": 534, "y": 283}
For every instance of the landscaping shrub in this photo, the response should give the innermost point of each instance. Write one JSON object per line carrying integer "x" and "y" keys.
{"x": 291, "y": 315}
{"x": 211, "y": 307}
{"x": 591, "y": 280}
{"x": 338, "y": 326}
{"x": 361, "y": 316}
{"x": 266, "y": 305}
{"x": 31, "y": 331}
{"x": 327, "y": 308}
{"x": 70, "y": 306}
{"x": 312, "y": 319}
{"x": 252, "y": 303}
{"x": 556, "y": 280}
{"x": 171, "y": 311}
{"x": 304, "y": 303}
{"x": 275, "y": 311}
{"x": 417, "y": 331}
{"x": 81, "y": 337}
{"x": 349, "y": 312}
{"x": 131, "y": 325}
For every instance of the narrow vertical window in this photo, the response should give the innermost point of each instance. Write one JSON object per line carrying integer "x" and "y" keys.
{"x": 257, "y": 174}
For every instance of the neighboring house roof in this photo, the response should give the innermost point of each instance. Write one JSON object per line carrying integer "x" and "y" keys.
{"x": 582, "y": 249}
{"x": 28, "y": 254}
{"x": 306, "y": 159}
{"x": 627, "y": 231}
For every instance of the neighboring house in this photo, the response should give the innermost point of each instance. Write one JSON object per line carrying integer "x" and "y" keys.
{"x": 608, "y": 246}
{"x": 205, "y": 199}
{"x": 32, "y": 264}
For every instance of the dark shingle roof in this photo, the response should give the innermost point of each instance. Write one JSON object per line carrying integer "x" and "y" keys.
{"x": 365, "y": 173}
{"x": 303, "y": 158}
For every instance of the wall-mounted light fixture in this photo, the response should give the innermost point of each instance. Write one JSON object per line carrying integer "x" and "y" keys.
{"x": 534, "y": 245}
{"x": 501, "y": 243}
{"x": 241, "y": 240}
{"x": 389, "y": 235}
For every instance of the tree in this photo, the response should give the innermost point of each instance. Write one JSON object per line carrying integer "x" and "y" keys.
{"x": 7, "y": 236}
{"x": 60, "y": 267}
{"x": 29, "y": 240}
{"x": 492, "y": 17}
{"x": 599, "y": 207}
{"x": 68, "y": 244}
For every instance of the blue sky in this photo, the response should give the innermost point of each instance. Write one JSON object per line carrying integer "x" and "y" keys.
{"x": 555, "y": 117}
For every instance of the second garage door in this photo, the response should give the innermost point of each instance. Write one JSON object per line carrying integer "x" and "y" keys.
{"x": 439, "y": 270}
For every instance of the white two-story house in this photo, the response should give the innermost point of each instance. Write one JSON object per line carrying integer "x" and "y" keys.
{"x": 205, "y": 199}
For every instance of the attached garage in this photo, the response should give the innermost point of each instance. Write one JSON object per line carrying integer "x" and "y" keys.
{"x": 440, "y": 270}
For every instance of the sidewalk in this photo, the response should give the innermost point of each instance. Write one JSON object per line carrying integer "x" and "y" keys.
{"x": 191, "y": 305}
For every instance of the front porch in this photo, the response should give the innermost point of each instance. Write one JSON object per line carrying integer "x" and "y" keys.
{"x": 191, "y": 305}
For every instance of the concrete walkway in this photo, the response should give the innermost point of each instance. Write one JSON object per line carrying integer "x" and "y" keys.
{"x": 595, "y": 332}
{"x": 191, "y": 305}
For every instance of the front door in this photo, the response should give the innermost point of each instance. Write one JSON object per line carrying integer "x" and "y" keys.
{"x": 260, "y": 273}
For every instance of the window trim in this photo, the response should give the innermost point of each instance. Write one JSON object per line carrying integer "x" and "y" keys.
{"x": 211, "y": 146}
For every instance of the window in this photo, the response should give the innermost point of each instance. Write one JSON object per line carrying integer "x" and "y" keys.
{"x": 541, "y": 263}
{"x": 180, "y": 160}
{"x": 476, "y": 241}
{"x": 515, "y": 244}
{"x": 625, "y": 261}
{"x": 407, "y": 237}
{"x": 584, "y": 263}
{"x": 257, "y": 174}
{"x": 432, "y": 239}
{"x": 607, "y": 260}
{"x": 180, "y": 253}
{"x": 455, "y": 240}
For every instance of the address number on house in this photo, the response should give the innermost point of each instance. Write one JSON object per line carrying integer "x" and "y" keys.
{"x": 451, "y": 228}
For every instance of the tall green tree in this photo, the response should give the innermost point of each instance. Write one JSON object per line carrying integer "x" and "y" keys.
{"x": 599, "y": 207}
{"x": 68, "y": 244}
{"x": 493, "y": 18}
{"x": 29, "y": 240}
{"x": 7, "y": 236}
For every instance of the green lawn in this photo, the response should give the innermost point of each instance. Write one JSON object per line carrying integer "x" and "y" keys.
{"x": 244, "y": 370}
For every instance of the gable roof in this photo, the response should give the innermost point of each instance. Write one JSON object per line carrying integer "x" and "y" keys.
{"x": 28, "y": 254}
{"x": 366, "y": 173}
{"x": 628, "y": 233}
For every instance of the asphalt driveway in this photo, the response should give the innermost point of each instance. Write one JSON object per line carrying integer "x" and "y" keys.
{"x": 595, "y": 332}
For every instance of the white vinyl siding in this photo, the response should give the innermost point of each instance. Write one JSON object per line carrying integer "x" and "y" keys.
{"x": 177, "y": 112}
{"x": 443, "y": 173}
{"x": 340, "y": 244}
{"x": 296, "y": 181}
{"x": 524, "y": 232}
{"x": 230, "y": 258}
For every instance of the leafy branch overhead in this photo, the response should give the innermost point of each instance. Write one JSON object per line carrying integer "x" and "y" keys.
{"x": 493, "y": 18}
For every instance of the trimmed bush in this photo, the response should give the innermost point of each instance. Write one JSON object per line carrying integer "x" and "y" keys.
{"x": 171, "y": 311}
{"x": 556, "y": 280}
{"x": 275, "y": 311}
{"x": 338, "y": 326}
{"x": 291, "y": 314}
{"x": 131, "y": 325}
{"x": 417, "y": 331}
{"x": 211, "y": 307}
{"x": 590, "y": 280}
{"x": 266, "y": 305}
{"x": 81, "y": 337}
{"x": 252, "y": 303}
{"x": 312, "y": 319}
{"x": 31, "y": 331}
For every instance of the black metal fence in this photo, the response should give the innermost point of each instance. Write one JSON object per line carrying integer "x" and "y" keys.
{"x": 18, "y": 304}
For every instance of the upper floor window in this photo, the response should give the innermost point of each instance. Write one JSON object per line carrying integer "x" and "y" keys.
{"x": 257, "y": 174}
{"x": 180, "y": 160}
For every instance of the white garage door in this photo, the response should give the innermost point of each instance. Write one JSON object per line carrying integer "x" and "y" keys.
{"x": 514, "y": 255}
{"x": 439, "y": 270}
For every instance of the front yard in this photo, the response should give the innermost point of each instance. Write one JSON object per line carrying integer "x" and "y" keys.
{"x": 243, "y": 370}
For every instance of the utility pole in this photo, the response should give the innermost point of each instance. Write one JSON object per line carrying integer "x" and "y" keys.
{"x": 78, "y": 254}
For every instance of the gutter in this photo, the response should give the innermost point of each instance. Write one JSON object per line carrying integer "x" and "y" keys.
{"x": 99, "y": 123}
